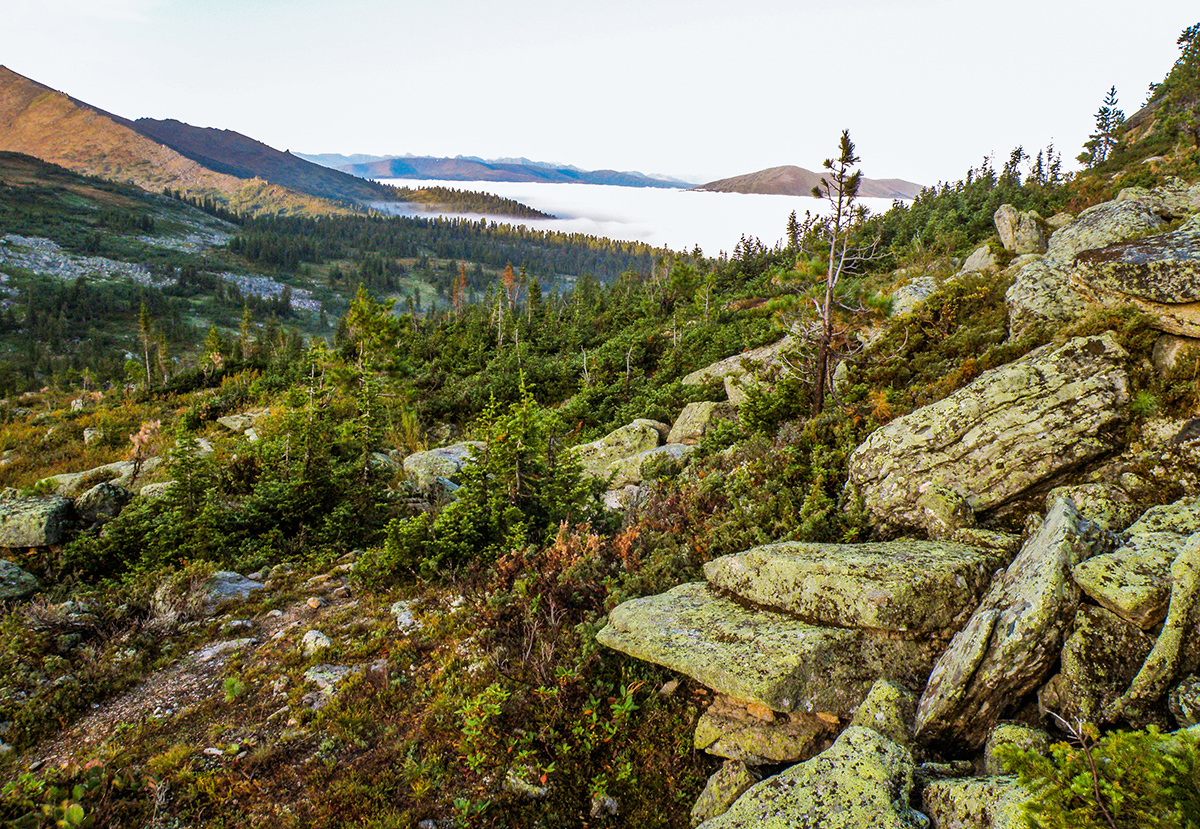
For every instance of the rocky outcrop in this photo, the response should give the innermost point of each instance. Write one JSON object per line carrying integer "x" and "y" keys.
{"x": 1013, "y": 640}
{"x": 35, "y": 522}
{"x": 759, "y": 656}
{"x": 1012, "y": 428}
{"x": 1020, "y": 232}
{"x": 910, "y": 587}
{"x": 611, "y": 454}
{"x": 425, "y": 468}
{"x": 697, "y": 418}
{"x": 15, "y": 583}
{"x": 1134, "y": 581}
{"x": 1158, "y": 274}
{"x": 912, "y": 294}
{"x": 861, "y": 782}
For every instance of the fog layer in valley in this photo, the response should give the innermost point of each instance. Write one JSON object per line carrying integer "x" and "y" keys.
{"x": 678, "y": 219}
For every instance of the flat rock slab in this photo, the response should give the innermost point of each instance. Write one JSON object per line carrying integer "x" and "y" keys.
{"x": 760, "y": 743}
{"x": 1133, "y": 581}
{"x": 1163, "y": 268}
{"x": 908, "y": 586}
{"x": 1011, "y": 429}
{"x": 861, "y": 782}
{"x": 1013, "y": 641}
{"x": 761, "y": 656}
{"x": 35, "y": 522}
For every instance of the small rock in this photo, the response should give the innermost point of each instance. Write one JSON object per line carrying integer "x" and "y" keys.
{"x": 315, "y": 602}
{"x": 341, "y": 593}
{"x": 604, "y": 806}
{"x": 669, "y": 687}
{"x": 212, "y": 751}
{"x": 405, "y": 620}
{"x": 327, "y": 677}
{"x": 15, "y": 583}
{"x": 520, "y": 782}
{"x": 315, "y": 641}
{"x": 889, "y": 710}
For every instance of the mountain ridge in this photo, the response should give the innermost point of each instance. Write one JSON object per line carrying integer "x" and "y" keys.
{"x": 472, "y": 168}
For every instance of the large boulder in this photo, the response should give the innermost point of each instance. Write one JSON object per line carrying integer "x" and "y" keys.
{"x": 862, "y": 781}
{"x": 742, "y": 370}
{"x": 1134, "y": 581}
{"x": 632, "y": 470}
{"x": 1102, "y": 225}
{"x": 1011, "y": 429}
{"x": 1042, "y": 293}
{"x": 760, "y": 656}
{"x": 1013, "y": 641}
{"x": 981, "y": 260}
{"x": 15, "y": 583}
{"x": 425, "y": 468}
{"x": 697, "y": 418}
{"x": 607, "y": 455}
{"x": 35, "y": 522}
{"x": 911, "y": 295}
{"x": 102, "y": 503}
{"x": 1020, "y": 232}
{"x": 910, "y": 587}
{"x": 1159, "y": 274}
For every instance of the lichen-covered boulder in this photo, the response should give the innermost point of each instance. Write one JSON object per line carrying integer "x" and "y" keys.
{"x": 723, "y": 788}
{"x": 102, "y": 503}
{"x": 1158, "y": 274}
{"x": 1109, "y": 506}
{"x": 424, "y": 468}
{"x": 908, "y": 586}
{"x": 1009, "y": 430}
{"x": 981, "y": 260}
{"x": 1102, "y": 225}
{"x": 604, "y": 456}
{"x": 1020, "y": 232}
{"x": 1184, "y": 702}
{"x": 975, "y": 803}
{"x": 1181, "y": 517}
{"x": 1134, "y": 581}
{"x": 1099, "y": 659}
{"x": 761, "y": 656}
{"x": 15, "y": 583}
{"x": 633, "y": 470}
{"x": 35, "y": 522}
{"x": 1012, "y": 734}
{"x": 862, "y": 781}
{"x": 1013, "y": 641}
{"x": 1042, "y": 293}
{"x": 697, "y": 418}
{"x": 742, "y": 370}
{"x": 730, "y": 731}
{"x": 911, "y": 295}
{"x": 889, "y": 709}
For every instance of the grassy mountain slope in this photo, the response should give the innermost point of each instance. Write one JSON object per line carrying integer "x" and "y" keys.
{"x": 796, "y": 181}
{"x": 55, "y": 127}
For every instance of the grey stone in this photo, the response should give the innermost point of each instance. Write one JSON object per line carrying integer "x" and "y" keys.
{"x": 696, "y": 419}
{"x": 742, "y": 370}
{"x": 15, "y": 583}
{"x": 729, "y": 730}
{"x": 1019, "y": 232}
{"x": 225, "y": 587}
{"x": 1184, "y": 702}
{"x": 1108, "y": 506}
{"x": 1100, "y": 226}
{"x": 424, "y": 468}
{"x": 633, "y": 469}
{"x": 1009, "y": 430}
{"x": 1169, "y": 349}
{"x": 1042, "y": 293}
{"x": 862, "y": 781}
{"x": 35, "y": 522}
{"x": 1012, "y": 642}
{"x": 604, "y": 457}
{"x": 912, "y": 295}
{"x": 1133, "y": 581}
{"x": 909, "y": 586}
{"x": 761, "y": 656}
{"x": 981, "y": 260}
{"x": 102, "y": 503}
{"x": 405, "y": 620}
{"x": 724, "y": 787}
{"x": 328, "y": 677}
{"x": 1099, "y": 659}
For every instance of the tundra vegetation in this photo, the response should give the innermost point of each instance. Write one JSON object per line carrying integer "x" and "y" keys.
{"x": 465, "y": 613}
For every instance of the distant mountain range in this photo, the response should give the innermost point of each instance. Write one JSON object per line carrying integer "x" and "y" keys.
{"x": 796, "y": 181}
{"x": 473, "y": 168}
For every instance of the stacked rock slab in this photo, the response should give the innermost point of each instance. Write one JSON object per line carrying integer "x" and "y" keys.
{"x": 1009, "y": 430}
{"x": 1013, "y": 640}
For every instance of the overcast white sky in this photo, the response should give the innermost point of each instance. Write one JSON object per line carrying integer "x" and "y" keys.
{"x": 699, "y": 89}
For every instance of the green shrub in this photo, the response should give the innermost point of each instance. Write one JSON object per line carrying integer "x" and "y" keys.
{"x": 1123, "y": 780}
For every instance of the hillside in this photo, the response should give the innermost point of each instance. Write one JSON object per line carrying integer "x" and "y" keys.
{"x": 796, "y": 181}
{"x": 38, "y": 121}
{"x": 475, "y": 169}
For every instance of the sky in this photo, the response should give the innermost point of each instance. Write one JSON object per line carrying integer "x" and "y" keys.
{"x": 701, "y": 90}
